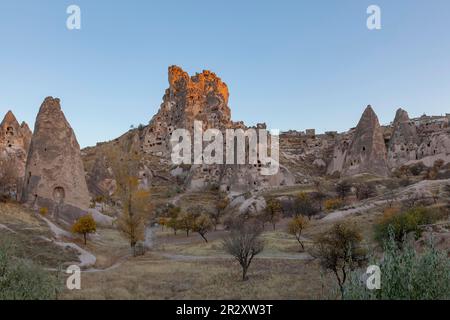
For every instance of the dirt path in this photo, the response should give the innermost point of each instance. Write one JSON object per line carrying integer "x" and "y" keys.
{"x": 86, "y": 258}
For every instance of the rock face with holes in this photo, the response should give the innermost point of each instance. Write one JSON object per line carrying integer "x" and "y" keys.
{"x": 54, "y": 175}
{"x": 14, "y": 142}
{"x": 424, "y": 139}
{"x": 14, "y": 138}
{"x": 362, "y": 150}
{"x": 202, "y": 97}
{"x": 404, "y": 141}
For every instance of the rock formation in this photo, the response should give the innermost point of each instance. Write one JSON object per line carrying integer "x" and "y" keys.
{"x": 54, "y": 176}
{"x": 362, "y": 150}
{"x": 425, "y": 139}
{"x": 14, "y": 141}
{"x": 367, "y": 152}
{"x": 404, "y": 140}
{"x": 202, "y": 97}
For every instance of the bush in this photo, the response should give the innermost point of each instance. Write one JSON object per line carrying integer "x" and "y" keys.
{"x": 304, "y": 205}
{"x": 404, "y": 223}
{"x": 365, "y": 191}
{"x": 343, "y": 189}
{"x": 333, "y": 204}
{"x": 417, "y": 169}
{"x": 43, "y": 211}
{"x": 23, "y": 280}
{"x": 405, "y": 275}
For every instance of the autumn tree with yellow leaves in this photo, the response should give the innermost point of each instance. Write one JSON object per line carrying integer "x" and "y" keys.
{"x": 84, "y": 226}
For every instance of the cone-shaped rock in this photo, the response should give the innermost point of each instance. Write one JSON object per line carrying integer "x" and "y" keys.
{"x": 404, "y": 141}
{"x": 14, "y": 142}
{"x": 54, "y": 176}
{"x": 367, "y": 152}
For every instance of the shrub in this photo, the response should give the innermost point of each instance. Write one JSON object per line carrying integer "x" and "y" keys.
{"x": 43, "y": 211}
{"x": 405, "y": 275}
{"x": 403, "y": 223}
{"x": 23, "y": 280}
{"x": 333, "y": 204}
{"x": 304, "y": 205}
{"x": 365, "y": 191}
{"x": 343, "y": 189}
{"x": 417, "y": 169}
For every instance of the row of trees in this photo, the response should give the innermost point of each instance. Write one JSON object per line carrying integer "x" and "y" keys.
{"x": 195, "y": 219}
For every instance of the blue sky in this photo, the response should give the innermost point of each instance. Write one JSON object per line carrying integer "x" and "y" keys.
{"x": 293, "y": 64}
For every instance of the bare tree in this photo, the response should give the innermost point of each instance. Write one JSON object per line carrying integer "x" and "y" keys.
{"x": 244, "y": 243}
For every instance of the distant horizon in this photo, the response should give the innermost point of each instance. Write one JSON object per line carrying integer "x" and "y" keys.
{"x": 294, "y": 65}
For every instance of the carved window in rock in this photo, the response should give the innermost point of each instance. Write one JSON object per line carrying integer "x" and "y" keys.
{"x": 59, "y": 195}
{"x": 10, "y": 131}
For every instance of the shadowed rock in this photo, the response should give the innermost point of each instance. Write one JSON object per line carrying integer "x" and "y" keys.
{"x": 54, "y": 176}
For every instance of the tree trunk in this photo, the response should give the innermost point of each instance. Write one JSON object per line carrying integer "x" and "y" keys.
{"x": 85, "y": 240}
{"x": 204, "y": 238}
{"x": 244, "y": 274}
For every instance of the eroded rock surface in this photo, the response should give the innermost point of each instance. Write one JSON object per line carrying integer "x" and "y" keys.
{"x": 54, "y": 175}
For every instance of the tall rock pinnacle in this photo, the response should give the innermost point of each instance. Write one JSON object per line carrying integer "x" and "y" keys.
{"x": 404, "y": 141}
{"x": 54, "y": 175}
{"x": 14, "y": 142}
{"x": 367, "y": 152}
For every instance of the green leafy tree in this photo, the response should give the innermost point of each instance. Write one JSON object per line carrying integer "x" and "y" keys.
{"x": 406, "y": 274}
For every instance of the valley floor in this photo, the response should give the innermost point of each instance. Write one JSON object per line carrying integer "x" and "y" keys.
{"x": 181, "y": 267}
